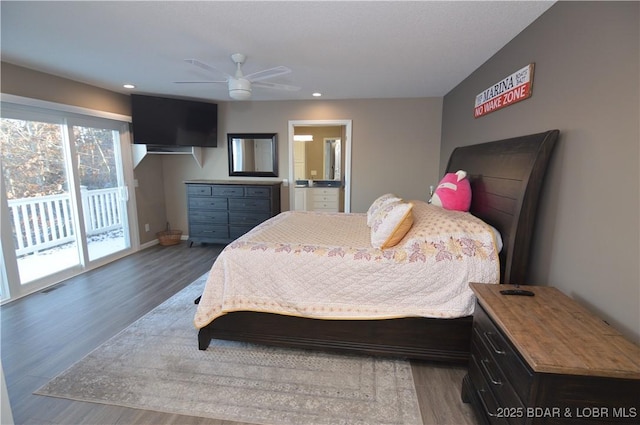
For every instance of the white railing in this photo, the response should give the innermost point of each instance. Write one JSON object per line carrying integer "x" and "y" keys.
{"x": 43, "y": 222}
{"x": 101, "y": 210}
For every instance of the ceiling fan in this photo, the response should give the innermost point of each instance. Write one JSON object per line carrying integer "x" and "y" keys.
{"x": 240, "y": 85}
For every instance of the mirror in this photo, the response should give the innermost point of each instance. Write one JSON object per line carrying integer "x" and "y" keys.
{"x": 253, "y": 154}
{"x": 332, "y": 159}
{"x": 318, "y": 153}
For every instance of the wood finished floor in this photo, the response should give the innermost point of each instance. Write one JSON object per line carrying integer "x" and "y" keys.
{"x": 45, "y": 333}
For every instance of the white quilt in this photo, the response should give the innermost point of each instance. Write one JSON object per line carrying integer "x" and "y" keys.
{"x": 322, "y": 265}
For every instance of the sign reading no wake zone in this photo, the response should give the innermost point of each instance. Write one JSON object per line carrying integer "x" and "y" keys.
{"x": 512, "y": 89}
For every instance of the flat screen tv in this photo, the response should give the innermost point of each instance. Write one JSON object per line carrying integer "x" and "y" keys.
{"x": 173, "y": 122}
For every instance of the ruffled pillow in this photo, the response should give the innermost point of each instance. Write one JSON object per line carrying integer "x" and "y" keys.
{"x": 379, "y": 203}
{"x": 390, "y": 224}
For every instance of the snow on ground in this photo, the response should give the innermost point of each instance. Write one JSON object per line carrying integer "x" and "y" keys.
{"x": 38, "y": 265}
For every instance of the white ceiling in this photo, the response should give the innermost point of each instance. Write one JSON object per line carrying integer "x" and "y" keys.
{"x": 346, "y": 50}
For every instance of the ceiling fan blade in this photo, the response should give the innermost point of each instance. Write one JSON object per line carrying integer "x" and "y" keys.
{"x": 268, "y": 73}
{"x": 276, "y": 86}
{"x": 205, "y": 66}
{"x": 200, "y": 82}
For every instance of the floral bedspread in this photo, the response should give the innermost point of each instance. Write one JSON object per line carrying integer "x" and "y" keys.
{"x": 322, "y": 265}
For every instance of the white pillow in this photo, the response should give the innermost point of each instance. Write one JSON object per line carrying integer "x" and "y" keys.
{"x": 379, "y": 203}
{"x": 390, "y": 224}
{"x": 497, "y": 237}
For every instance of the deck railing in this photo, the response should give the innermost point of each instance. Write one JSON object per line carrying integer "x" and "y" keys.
{"x": 44, "y": 222}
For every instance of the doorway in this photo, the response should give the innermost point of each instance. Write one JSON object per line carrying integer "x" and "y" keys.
{"x": 319, "y": 159}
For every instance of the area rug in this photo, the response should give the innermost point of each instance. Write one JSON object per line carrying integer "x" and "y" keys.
{"x": 155, "y": 364}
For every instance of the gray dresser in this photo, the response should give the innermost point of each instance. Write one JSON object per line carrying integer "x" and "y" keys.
{"x": 221, "y": 211}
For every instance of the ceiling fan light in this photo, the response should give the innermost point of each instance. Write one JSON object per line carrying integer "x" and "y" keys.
{"x": 240, "y": 94}
{"x": 239, "y": 89}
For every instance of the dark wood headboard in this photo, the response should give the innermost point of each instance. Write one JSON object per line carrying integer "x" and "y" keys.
{"x": 506, "y": 179}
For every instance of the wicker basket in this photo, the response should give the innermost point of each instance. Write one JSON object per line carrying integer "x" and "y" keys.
{"x": 169, "y": 237}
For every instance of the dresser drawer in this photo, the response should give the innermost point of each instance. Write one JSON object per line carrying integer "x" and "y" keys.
{"x": 325, "y": 198}
{"x": 207, "y": 204}
{"x": 502, "y": 353}
{"x": 492, "y": 407}
{"x": 229, "y": 191}
{"x": 208, "y": 231}
{"x": 325, "y": 206}
{"x": 257, "y": 192}
{"x": 486, "y": 373}
{"x": 326, "y": 191}
{"x": 250, "y": 204}
{"x": 199, "y": 190}
{"x": 209, "y": 217}
{"x": 247, "y": 218}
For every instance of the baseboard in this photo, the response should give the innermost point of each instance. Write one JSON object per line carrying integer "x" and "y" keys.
{"x": 156, "y": 242}
{"x": 149, "y": 244}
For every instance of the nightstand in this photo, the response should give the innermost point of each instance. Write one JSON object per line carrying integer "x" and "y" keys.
{"x": 545, "y": 359}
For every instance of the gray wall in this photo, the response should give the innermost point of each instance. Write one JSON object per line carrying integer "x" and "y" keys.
{"x": 26, "y": 82}
{"x": 586, "y": 84}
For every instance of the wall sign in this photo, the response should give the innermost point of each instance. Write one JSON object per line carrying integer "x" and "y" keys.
{"x": 512, "y": 89}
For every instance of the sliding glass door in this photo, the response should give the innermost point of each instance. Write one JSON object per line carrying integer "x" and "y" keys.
{"x": 102, "y": 190}
{"x": 64, "y": 195}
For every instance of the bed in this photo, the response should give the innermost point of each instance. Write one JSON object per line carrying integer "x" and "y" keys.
{"x": 506, "y": 178}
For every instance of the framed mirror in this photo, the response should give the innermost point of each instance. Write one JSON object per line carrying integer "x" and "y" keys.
{"x": 253, "y": 154}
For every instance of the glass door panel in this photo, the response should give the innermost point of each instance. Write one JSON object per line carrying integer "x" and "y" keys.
{"x": 102, "y": 190}
{"x": 40, "y": 203}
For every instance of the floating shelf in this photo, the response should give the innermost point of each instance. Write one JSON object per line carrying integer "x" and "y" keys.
{"x": 140, "y": 151}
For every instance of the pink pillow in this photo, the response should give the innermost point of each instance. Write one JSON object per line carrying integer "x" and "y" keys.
{"x": 453, "y": 192}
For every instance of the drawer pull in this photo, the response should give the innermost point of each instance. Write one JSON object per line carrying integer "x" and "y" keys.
{"x": 484, "y": 403}
{"x": 494, "y": 347}
{"x": 494, "y": 381}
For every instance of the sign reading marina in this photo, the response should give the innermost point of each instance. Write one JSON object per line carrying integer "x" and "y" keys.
{"x": 512, "y": 89}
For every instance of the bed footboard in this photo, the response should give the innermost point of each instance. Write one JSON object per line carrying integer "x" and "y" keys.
{"x": 444, "y": 340}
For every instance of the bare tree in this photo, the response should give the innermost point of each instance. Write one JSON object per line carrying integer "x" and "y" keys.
{"x": 33, "y": 157}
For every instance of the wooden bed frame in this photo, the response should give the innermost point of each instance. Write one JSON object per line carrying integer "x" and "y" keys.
{"x": 506, "y": 179}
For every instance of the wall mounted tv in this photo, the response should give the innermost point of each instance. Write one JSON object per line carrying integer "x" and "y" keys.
{"x": 168, "y": 122}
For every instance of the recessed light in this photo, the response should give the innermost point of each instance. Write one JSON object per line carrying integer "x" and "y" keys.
{"x": 316, "y": 94}
{"x": 129, "y": 86}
